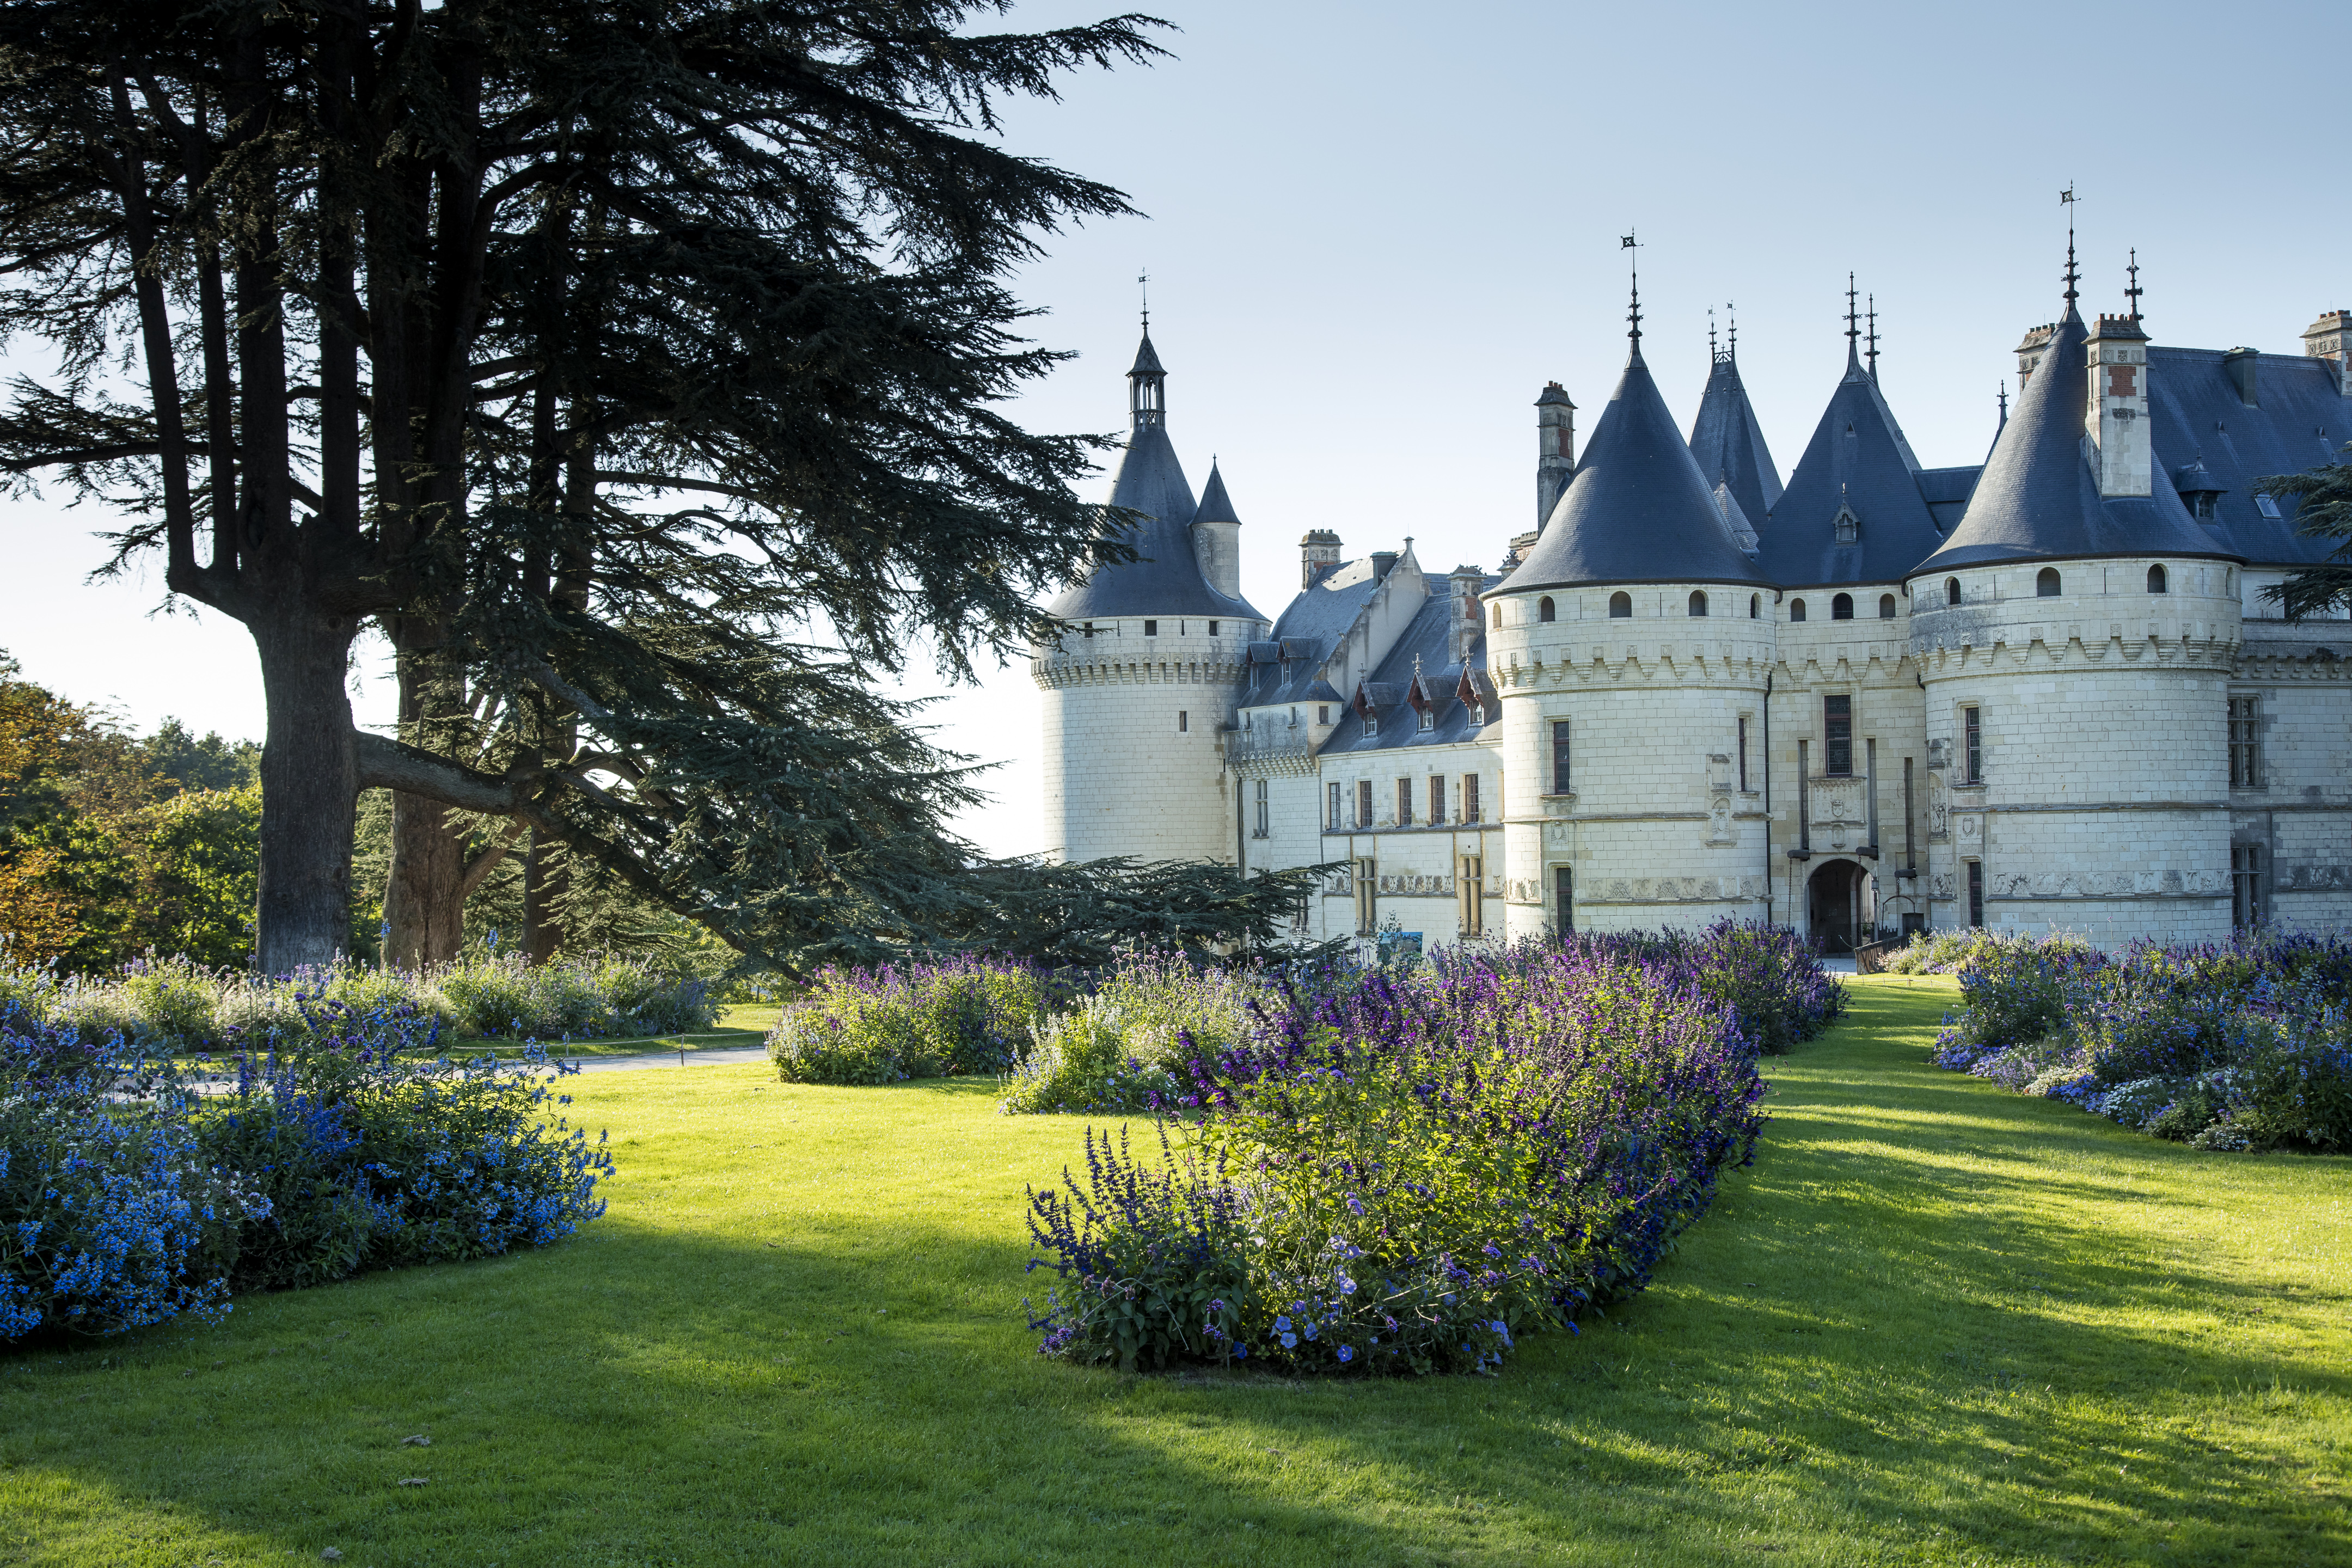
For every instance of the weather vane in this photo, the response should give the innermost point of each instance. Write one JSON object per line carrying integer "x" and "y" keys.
{"x": 1143, "y": 282}
{"x": 2134, "y": 292}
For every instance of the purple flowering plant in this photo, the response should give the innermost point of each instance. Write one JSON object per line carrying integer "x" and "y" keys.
{"x": 1409, "y": 1171}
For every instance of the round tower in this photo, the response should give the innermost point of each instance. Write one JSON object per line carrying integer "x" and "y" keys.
{"x": 2076, "y": 634}
{"x": 1141, "y": 682}
{"x": 1633, "y": 677}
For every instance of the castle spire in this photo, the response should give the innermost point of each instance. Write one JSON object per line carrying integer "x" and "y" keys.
{"x": 1873, "y": 340}
{"x": 2067, "y": 199}
{"x": 1853, "y": 333}
{"x": 1147, "y": 383}
{"x": 1633, "y": 272}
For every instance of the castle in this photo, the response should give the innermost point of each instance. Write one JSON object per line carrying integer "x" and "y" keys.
{"x": 2045, "y": 691}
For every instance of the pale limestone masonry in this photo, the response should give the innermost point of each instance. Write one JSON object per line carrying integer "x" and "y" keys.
{"x": 1995, "y": 729}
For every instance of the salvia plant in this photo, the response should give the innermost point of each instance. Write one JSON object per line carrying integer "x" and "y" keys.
{"x": 1406, "y": 1174}
{"x": 926, "y": 1018}
{"x": 2237, "y": 1045}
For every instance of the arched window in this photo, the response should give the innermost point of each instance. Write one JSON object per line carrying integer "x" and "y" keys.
{"x": 1698, "y": 602}
{"x": 1499, "y": 617}
{"x": 1755, "y": 605}
{"x": 1543, "y": 608}
{"x": 1951, "y": 590}
{"x": 1621, "y": 606}
{"x": 2155, "y": 582}
{"x": 2045, "y": 582}
{"x": 1796, "y": 609}
{"x": 1886, "y": 606}
{"x": 1841, "y": 607}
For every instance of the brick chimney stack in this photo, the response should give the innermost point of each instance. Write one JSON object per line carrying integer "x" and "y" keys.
{"x": 2330, "y": 338}
{"x": 2115, "y": 412}
{"x": 1319, "y": 551}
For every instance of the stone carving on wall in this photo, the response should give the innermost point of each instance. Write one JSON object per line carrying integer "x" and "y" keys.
{"x": 1939, "y": 886}
{"x": 1971, "y": 831}
{"x": 1939, "y": 806}
{"x": 1718, "y": 820}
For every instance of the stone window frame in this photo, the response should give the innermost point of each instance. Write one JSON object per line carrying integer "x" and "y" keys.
{"x": 2249, "y": 719}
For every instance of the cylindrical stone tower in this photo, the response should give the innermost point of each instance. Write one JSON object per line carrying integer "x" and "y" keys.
{"x": 1142, "y": 681}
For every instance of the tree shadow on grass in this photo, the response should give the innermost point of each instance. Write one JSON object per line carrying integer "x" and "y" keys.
{"x": 1858, "y": 1355}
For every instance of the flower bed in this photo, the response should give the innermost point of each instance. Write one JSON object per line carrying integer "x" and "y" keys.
{"x": 173, "y": 1005}
{"x": 1407, "y": 1175}
{"x": 127, "y": 1198}
{"x": 2239, "y": 1045}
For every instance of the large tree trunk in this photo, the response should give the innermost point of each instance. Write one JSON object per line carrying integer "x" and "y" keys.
{"x": 543, "y": 878}
{"x": 310, "y": 788}
{"x": 425, "y": 894}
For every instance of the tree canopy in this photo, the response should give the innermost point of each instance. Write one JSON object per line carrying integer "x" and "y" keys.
{"x": 639, "y": 369}
{"x": 2325, "y": 512}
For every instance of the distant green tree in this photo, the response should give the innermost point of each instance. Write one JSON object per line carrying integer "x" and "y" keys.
{"x": 2326, "y": 512}
{"x": 181, "y": 762}
{"x": 200, "y": 854}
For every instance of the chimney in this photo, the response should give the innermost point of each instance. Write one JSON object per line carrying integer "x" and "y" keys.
{"x": 2240, "y": 364}
{"x": 2327, "y": 339}
{"x": 2114, "y": 413}
{"x": 1554, "y": 450}
{"x": 2030, "y": 350}
{"x": 1462, "y": 585}
{"x": 1319, "y": 551}
{"x": 1382, "y": 560}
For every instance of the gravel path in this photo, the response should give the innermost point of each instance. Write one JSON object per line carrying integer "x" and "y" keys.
{"x": 731, "y": 1055}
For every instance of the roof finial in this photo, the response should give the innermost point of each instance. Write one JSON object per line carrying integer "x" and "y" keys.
{"x": 1143, "y": 282}
{"x": 2067, "y": 198}
{"x": 1851, "y": 331}
{"x": 1633, "y": 270}
{"x": 2004, "y": 406}
{"x": 1731, "y": 316}
{"x": 1873, "y": 340}
{"x": 1711, "y": 354}
{"x": 2134, "y": 292}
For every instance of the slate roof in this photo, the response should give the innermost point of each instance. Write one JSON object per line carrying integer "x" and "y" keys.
{"x": 1165, "y": 578}
{"x": 1947, "y": 493}
{"x": 1857, "y": 462}
{"x": 1309, "y": 633}
{"x": 1424, "y": 637}
{"x": 1639, "y": 510}
{"x": 2038, "y": 498}
{"x": 2299, "y": 421}
{"x": 1728, "y": 444}
{"x": 1216, "y": 505}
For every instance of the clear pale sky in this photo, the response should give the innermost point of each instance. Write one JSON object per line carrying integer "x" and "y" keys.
{"x": 1374, "y": 231}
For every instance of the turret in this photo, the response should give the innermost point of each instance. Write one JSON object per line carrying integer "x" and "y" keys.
{"x": 2114, "y": 411}
{"x": 1217, "y": 537}
{"x": 1554, "y": 449}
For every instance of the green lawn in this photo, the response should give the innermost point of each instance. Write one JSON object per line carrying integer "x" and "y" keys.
{"x": 1935, "y": 1323}
{"x": 737, "y": 1027}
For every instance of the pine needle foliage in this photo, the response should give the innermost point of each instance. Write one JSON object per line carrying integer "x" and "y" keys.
{"x": 2324, "y": 512}
{"x": 637, "y": 368}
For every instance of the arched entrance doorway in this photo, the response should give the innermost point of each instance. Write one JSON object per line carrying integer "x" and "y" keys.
{"x": 1833, "y": 899}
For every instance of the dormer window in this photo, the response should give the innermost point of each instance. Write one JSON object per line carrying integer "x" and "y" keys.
{"x": 2204, "y": 505}
{"x": 1428, "y": 719}
{"x": 1477, "y": 714}
{"x": 1372, "y": 723}
{"x": 1848, "y": 526}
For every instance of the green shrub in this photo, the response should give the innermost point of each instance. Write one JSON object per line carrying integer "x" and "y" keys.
{"x": 928, "y": 1019}
{"x": 1117, "y": 1050}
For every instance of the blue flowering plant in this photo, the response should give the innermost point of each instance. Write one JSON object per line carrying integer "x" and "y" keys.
{"x": 112, "y": 1218}
{"x": 376, "y": 1151}
{"x": 2238, "y": 1045}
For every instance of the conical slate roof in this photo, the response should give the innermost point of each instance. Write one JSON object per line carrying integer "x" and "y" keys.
{"x": 2039, "y": 498}
{"x": 1147, "y": 360}
{"x": 1729, "y": 443}
{"x": 1858, "y": 467}
{"x": 1216, "y": 505}
{"x": 1638, "y": 510}
{"x": 1165, "y": 578}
